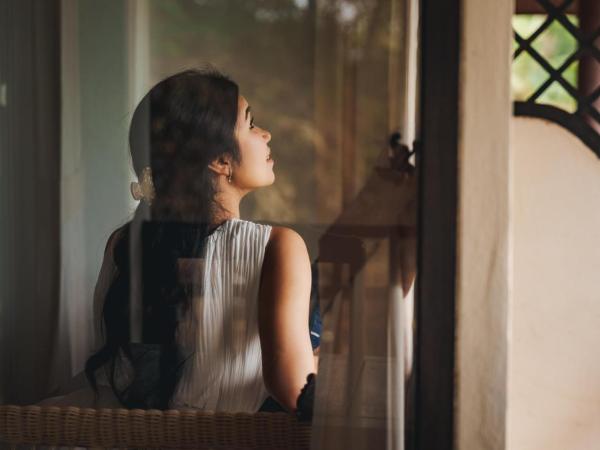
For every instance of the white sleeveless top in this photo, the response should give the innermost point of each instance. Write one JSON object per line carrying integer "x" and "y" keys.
{"x": 224, "y": 371}
{"x": 220, "y": 330}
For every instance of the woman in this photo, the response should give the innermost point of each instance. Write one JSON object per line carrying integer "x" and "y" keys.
{"x": 200, "y": 308}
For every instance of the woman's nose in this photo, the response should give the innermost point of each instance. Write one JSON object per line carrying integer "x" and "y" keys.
{"x": 267, "y": 135}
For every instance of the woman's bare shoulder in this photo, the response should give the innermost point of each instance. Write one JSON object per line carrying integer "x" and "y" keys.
{"x": 286, "y": 254}
{"x": 285, "y": 235}
{"x": 285, "y": 242}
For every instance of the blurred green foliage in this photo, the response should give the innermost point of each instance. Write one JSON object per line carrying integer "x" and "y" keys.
{"x": 555, "y": 44}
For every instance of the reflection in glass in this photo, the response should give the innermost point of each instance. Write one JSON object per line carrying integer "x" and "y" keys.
{"x": 331, "y": 81}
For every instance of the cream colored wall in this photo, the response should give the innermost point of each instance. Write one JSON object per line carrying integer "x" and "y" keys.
{"x": 483, "y": 241}
{"x": 554, "y": 364}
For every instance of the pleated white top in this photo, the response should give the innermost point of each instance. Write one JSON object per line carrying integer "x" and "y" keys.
{"x": 220, "y": 330}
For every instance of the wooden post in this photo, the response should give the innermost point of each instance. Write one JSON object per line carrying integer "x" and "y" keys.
{"x": 589, "y": 68}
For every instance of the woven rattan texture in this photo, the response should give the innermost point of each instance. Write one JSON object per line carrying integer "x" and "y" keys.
{"x": 135, "y": 428}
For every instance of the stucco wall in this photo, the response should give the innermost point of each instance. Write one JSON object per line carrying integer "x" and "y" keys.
{"x": 483, "y": 241}
{"x": 554, "y": 364}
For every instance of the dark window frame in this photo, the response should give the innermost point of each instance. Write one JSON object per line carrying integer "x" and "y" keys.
{"x": 437, "y": 162}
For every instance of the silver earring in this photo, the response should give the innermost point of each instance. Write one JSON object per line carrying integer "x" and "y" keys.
{"x": 229, "y": 177}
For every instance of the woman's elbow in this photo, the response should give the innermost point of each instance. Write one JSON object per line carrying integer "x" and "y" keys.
{"x": 285, "y": 391}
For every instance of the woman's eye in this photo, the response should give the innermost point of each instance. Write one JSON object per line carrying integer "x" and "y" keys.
{"x": 252, "y": 123}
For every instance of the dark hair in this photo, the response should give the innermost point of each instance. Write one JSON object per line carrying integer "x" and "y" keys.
{"x": 182, "y": 124}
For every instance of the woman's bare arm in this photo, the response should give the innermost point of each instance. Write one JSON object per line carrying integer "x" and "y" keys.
{"x": 284, "y": 298}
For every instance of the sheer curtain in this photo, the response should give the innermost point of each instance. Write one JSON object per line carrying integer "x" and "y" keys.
{"x": 29, "y": 195}
{"x": 364, "y": 386}
{"x": 95, "y": 172}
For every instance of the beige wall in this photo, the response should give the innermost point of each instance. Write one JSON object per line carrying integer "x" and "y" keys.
{"x": 483, "y": 278}
{"x": 554, "y": 365}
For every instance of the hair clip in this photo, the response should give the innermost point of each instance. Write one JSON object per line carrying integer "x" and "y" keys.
{"x": 144, "y": 188}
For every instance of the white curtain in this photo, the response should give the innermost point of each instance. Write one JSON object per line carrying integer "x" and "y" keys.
{"x": 95, "y": 170}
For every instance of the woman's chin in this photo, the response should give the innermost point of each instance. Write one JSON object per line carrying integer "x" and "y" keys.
{"x": 266, "y": 183}
{"x": 272, "y": 179}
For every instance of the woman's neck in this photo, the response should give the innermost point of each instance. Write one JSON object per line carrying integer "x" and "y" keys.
{"x": 229, "y": 206}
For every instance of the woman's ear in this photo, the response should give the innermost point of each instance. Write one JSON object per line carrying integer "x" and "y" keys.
{"x": 220, "y": 166}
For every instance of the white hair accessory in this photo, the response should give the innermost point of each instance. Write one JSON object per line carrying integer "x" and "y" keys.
{"x": 144, "y": 188}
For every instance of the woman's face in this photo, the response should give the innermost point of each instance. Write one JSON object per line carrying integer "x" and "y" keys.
{"x": 256, "y": 167}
